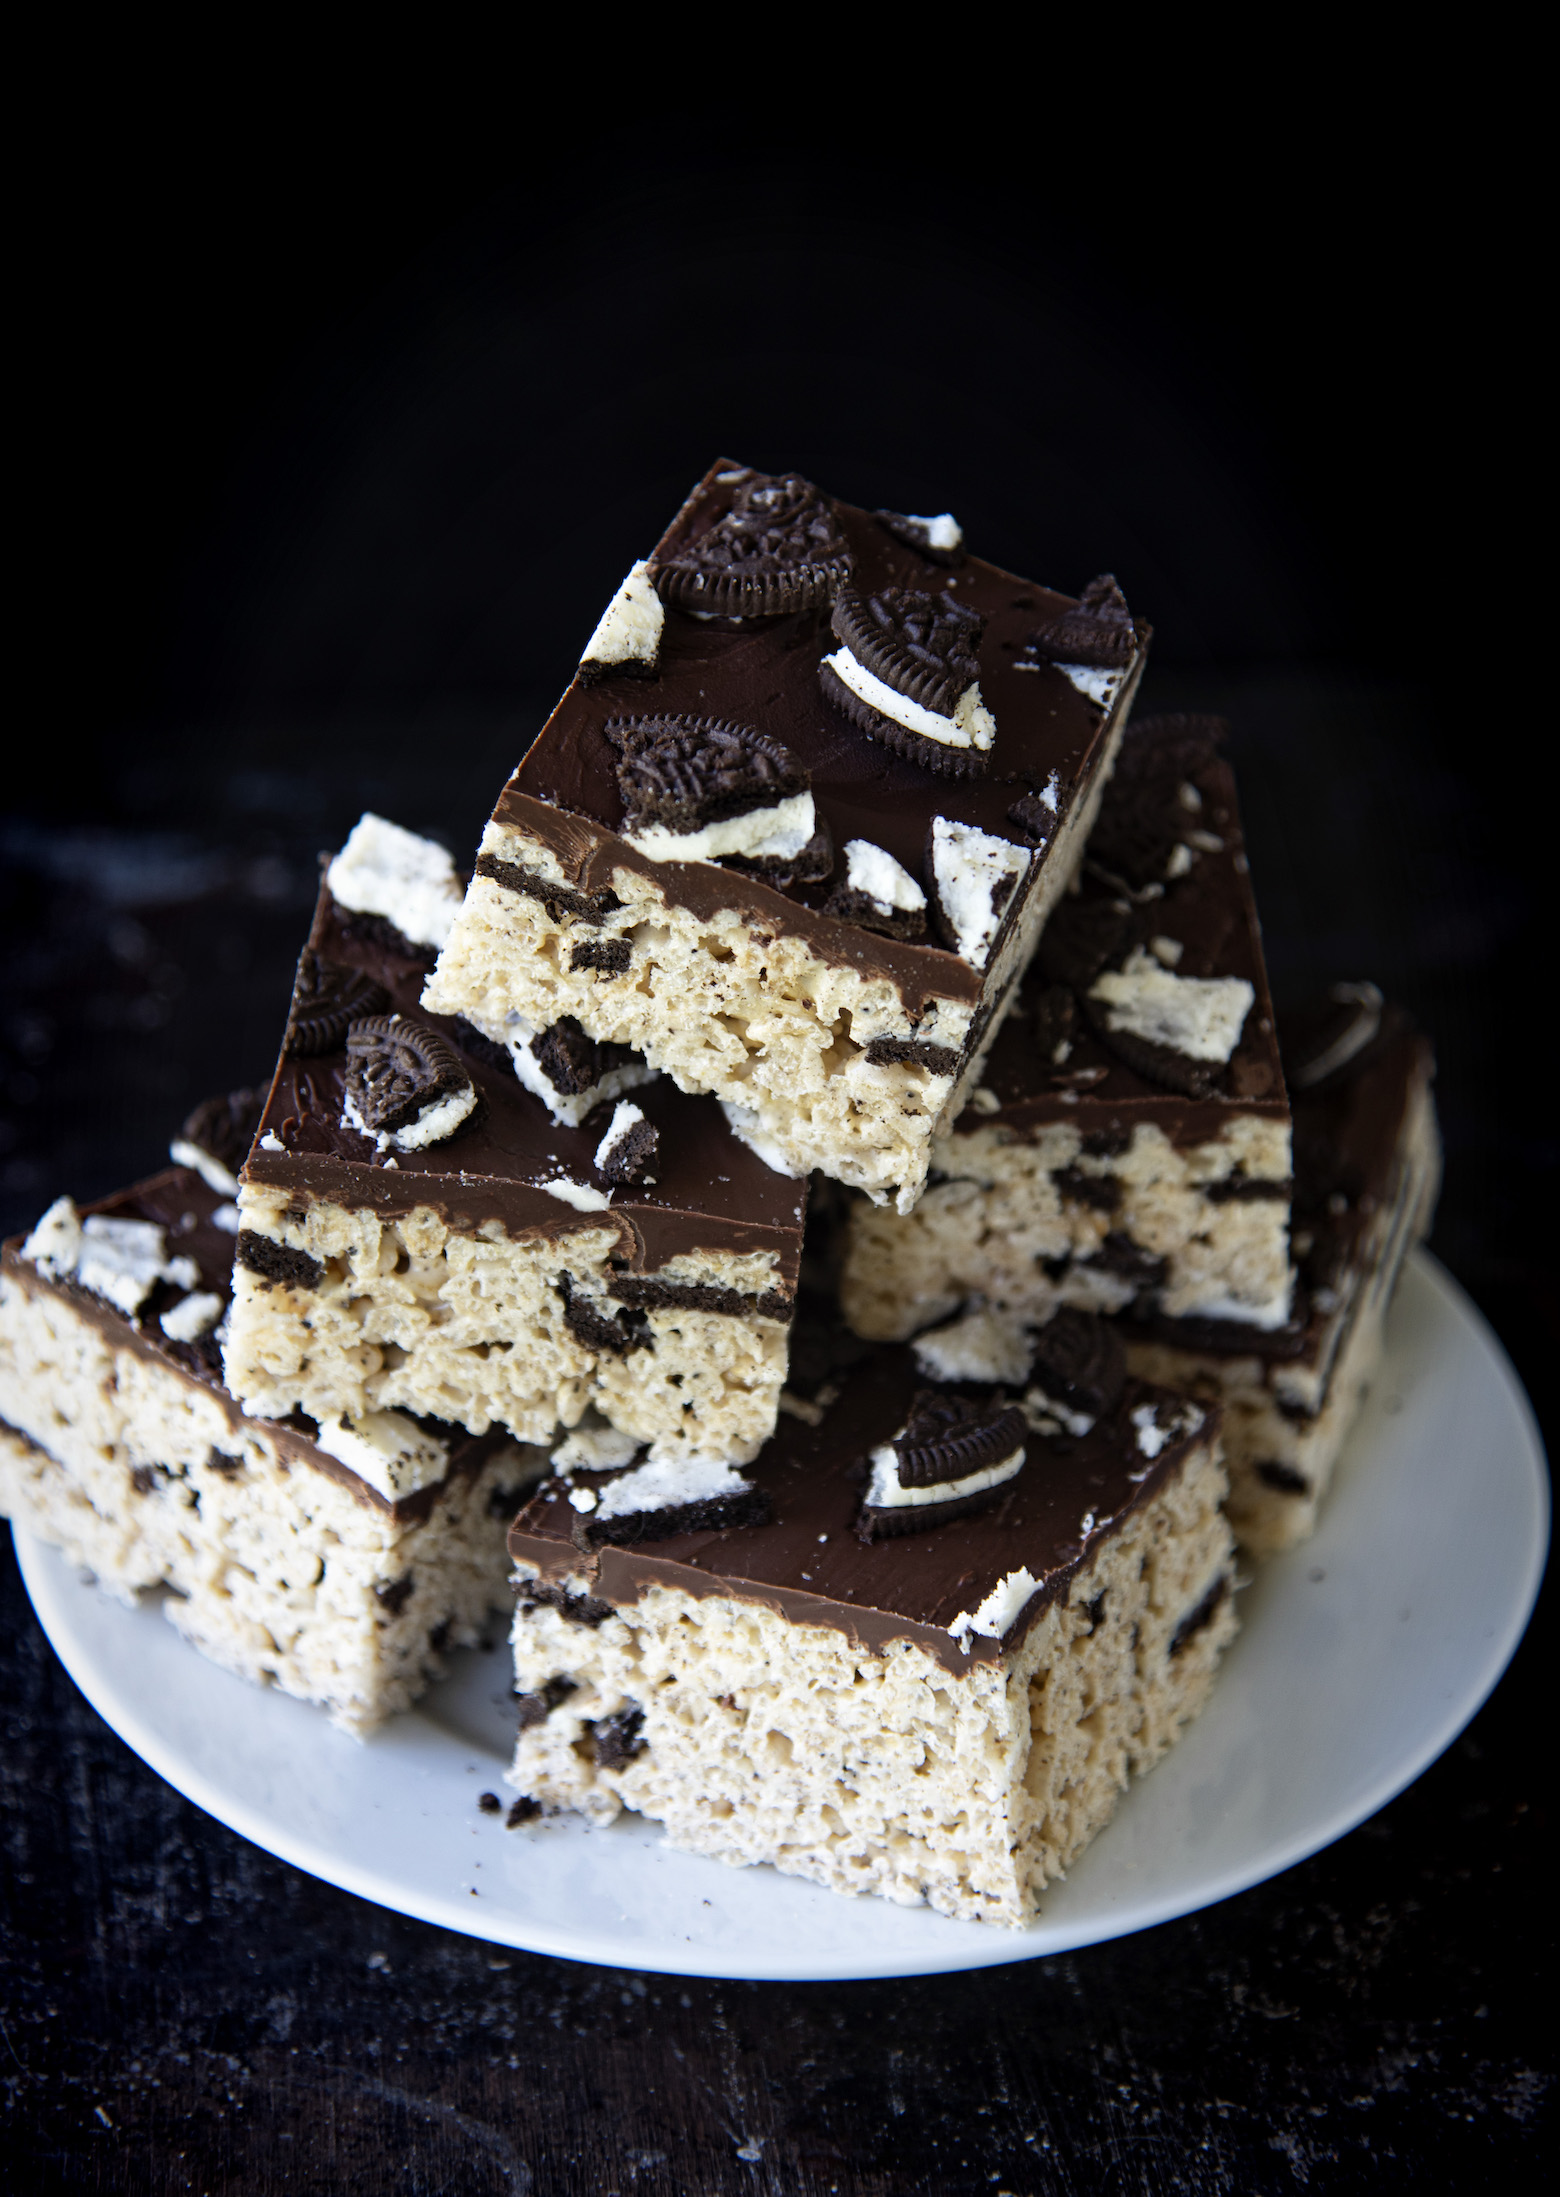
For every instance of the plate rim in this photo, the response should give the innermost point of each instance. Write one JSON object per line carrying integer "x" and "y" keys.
{"x": 989, "y": 1947}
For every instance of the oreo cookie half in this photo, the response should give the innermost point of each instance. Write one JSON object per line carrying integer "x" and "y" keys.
{"x": 405, "y": 1085}
{"x": 953, "y": 1457}
{"x": 778, "y": 549}
{"x": 216, "y": 1137}
{"x": 328, "y": 996}
{"x": 1152, "y": 800}
{"x": 1096, "y": 632}
{"x": 939, "y": 540}
{"x": 1080, "y": 1365}
{"x": 907, "y": 674}
{"x": 698, "y": 789}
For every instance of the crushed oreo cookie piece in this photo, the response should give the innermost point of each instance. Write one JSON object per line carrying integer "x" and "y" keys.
{"x": 618, "y": 1333}
{"x": 1197, "y": 1620}
{"x": 940, "y": 540}
{"x": 867, "y": 914}
{"x": 216, "y": 1137}
{"x": 615, "y": 1740}
{"x": 1080, "y": 1362}
{"x": 778, "y": 549}
{"x": 1155, "y": 1063}
{"x": 328, "y": 997}
{"x": 523, "y": 1810}
{"x": 278, "y": 1264}
{"x": 1083, "y": 935}
{"x": 649, "y": 1292}
{"x": 560, "y": 901}
{"x": 1128, "y": 1261}
{"x": 377, "y": 931}
{"x": 608, "y": 956}
{"x": 1097, "y": 631}
{"x": 926, "y": 647}
{"x": 741, "y": 1504}
{"x": 912, "y": 1052}
{"x": 398, "y": 1071}
{"x": 1053, "y": 1021}
{"x": 1101, "y": 1192}
{"x": 571, "y": 1061}
{"x": 534, "y": 1709}
{"x": 1319, "y": 1041}
{"x": 627, "y": 1152}
{"x": 575, "y": 1609}
{"x": 684, "y": 773}
{"x": 812, "y": 864}
{"x": 948, "y": 1437}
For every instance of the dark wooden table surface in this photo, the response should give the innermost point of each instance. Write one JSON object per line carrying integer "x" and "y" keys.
{"x": 182, "y": 2012}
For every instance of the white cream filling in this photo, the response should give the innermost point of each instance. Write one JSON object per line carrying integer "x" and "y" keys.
{"x": 747, "y": 1126}
{"x": 271, "y": 1142}
{"x": 630, "y": 628}
{"x": 1101, "y": 687}
{"x": 121, "y": 1261}
{"x": 971, "y": 725}
{"x": 981, "y": 1347}
{"x": 583, "y": 1196}
{"x": 1273, "y": 1312}
{"x": 1038, "y": 1408}
{"x": 192, "y": 1316}
{"x": 943, "y": 532}
{"x": 967, "y": 864}
{"x": 873, "y": 872}
{"x": 228, "y": 1219}
{"x": 595, "y": 1449}
{"x": 758, "y": 835}
{"x": 885, "y": 1492}
{"x": 625, "y": 1119}
{"x": 388, "y": 1450}
{"x": 1201, "y": 1017}
{"x": 993, "y": 1617}
{"x": 666, "y": 1482}
{"x": 439, "y": 1119}
{"x": 1152, "y": 1437}
{"x": 383, "y": 870}
{"x": 211, "y": 1171}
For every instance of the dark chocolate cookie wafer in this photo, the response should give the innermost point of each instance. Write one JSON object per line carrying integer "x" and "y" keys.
{"x": 779, "y": 549}
{"x": 328, "y": 997}
{"x": 632, "y": 1155}
{"x": 396, "y": 1068}
{"x": 948, "y": 1441}
{"x": 1152, "y": 801}
{"x": 926, "y": 647}
{"x": 1097, "y": 632}
{"x": 812, "y": 865}
{"x": 932, "y": 755}
{"x": 869, "y": 915}
{"x": 1079, "y": 1360}
{"x": 744, "y": 1506}
{"x": 939, "y": 540}
{"x": 573, "y": 1062}
{"x": 686, "y": 772}
{"x": 1319, "y": 1041}
{"x": 224, "y": 1128}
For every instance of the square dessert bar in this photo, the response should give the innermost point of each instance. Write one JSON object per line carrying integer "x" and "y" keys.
{"x": 794, "y": 828}
{"x": 338, "y": 1563}
{"x": 927, "y": 1663}
{"x": 1130, "y": 1143}
{"x": 1367, "y": 1168}
{"x": 497, "y": 1234}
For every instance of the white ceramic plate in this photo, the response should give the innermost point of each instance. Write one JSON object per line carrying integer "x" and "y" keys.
{"x": 1362, "y": 1655}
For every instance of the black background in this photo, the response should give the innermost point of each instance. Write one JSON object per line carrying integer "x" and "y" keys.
{"x": 337, "y": 451}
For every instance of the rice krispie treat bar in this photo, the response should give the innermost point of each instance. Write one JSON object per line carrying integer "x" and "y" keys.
{"x": 338, "y": 1562}
{"x": 1130, "y": 1141}
{"x": 926, "y": 1660}
{"x": 1367, "y": 1168}
{"x": 496, "y": 1234}
{"x": 794, "y": 828}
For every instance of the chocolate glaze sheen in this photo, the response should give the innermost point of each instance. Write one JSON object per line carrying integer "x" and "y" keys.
{"x": 710, "y": 1192}
{"x": 765, "y": 673}
{"x": 807, "y": 1563}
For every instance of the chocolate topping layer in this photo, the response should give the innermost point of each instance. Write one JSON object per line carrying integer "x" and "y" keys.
{"x": 710, "y": 1193}
{"x": 566, "y": 795}
{"x": 182, "y": 1205}
{"x": 807, "y": 1563}
{"x": 1208, "y": 912}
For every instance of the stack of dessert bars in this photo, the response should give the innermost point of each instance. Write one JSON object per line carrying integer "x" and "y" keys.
{"x": 833, "y": 1170}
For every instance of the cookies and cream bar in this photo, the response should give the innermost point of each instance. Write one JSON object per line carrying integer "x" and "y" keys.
{"x": 338, "y": 1562}
{"x": 793, "y": 831}
{"x": 1367, "y": 1168}
{"x": 498, "y": 1233}
{"x": 944, "y": 1711}
{"x": 1129, "y": 1143}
